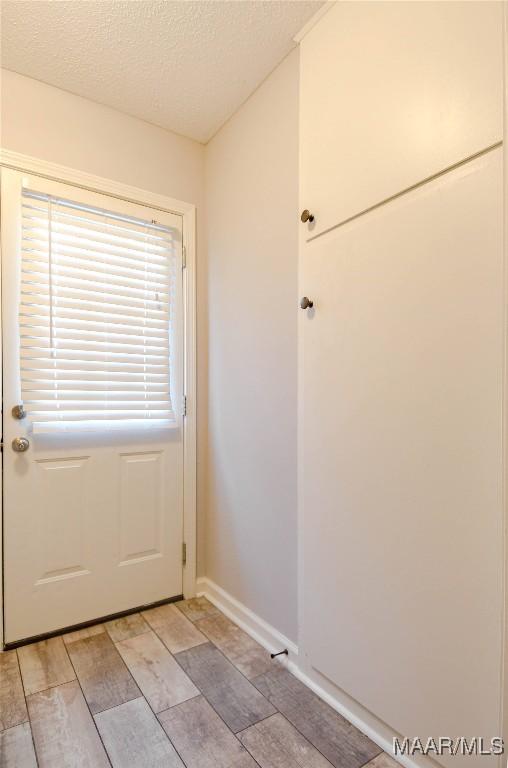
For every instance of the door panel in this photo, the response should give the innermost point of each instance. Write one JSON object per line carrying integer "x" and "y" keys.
{"x": 392, "y": 93}
{"x": 93, "y": 519}
{"x": 141, "y": 488}
{"x": 401, "y": 455}
{"x": 62, "y": 517}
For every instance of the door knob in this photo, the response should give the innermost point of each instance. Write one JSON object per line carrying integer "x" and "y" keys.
{"x": 20, "y": 444}
{"x": 306, "y": 303}
{"x": 307, "y": 216}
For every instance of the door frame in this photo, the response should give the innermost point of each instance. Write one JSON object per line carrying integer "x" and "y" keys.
{"x": 503, "y": 717}
{"x": 55, "y": 172}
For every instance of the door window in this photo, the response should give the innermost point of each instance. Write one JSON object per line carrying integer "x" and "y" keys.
{"x": 97, "y": 289}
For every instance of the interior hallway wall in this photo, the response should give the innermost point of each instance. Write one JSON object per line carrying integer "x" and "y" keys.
{"x": 53, "y": 125}
{"x": 252, "y": 244}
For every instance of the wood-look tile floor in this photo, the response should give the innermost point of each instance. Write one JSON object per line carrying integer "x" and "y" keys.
{"x": 173, "y": 687}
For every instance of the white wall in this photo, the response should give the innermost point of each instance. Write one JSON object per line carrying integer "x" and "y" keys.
{"x": 251, "y": 209}
{"x": 51, "y": 124}
{"x": 54, "y": 125}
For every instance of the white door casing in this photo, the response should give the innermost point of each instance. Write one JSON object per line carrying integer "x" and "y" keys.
{"x": 93, "y": 524}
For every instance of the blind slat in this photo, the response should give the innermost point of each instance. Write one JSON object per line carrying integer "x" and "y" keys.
{"x": 75, "y": 304}
{"x": 36, "y": 220}
{"x": 97, "y": 280}
{"x": 94, "y": 332}
{"x": 72, "y": 261}
{"x": 86, "y": 369}
{"x": 37, "y": 316}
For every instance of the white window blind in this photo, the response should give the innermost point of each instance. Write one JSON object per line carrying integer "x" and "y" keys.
{"x": 97, "y": 292}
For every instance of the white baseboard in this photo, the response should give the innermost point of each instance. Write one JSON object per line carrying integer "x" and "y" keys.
{"x": 262, "y": 632}
{"x": 361, "y": 718}
{"x": 273, "y": 640}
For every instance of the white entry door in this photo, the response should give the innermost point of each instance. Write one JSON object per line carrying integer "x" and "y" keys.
{"x": 93, "y": 351}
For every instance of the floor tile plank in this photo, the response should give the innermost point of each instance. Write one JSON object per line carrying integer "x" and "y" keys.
{"x": 339, "y": 741}
{"x": 275, "y": 742}
{"x": 161, "y": 680}
{"x": 44, "y": 665}
{"x": 135, "y": 739}
{"x": 202, "y": 738}
{"x": 12, "y": 699}
{"x": 174, "y": 629}
{"x": 63, "y": 729}
{"x": 104, "y": 678}
{"x": 16, "y": 747}
{"x": 383, "y": 761}
{"x": 231, "y": 695}
{"x": 197, "y": 608}
{"x": 126, "y": 627}
{"x": 250, "y": 658}
{"x": 80, "y": 634}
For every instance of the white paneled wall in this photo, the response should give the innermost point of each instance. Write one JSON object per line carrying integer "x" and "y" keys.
{"x": 392, "y": 93}
{"x": 401, "y": 365}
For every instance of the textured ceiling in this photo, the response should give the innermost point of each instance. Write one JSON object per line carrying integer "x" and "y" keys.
{"x": 186, "y": 66}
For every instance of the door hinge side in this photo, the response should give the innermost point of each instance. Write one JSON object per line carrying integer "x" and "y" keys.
{"x": 184, "y": 405}
{"x": 184, "y": 553}
{"x": 184, "y": 256}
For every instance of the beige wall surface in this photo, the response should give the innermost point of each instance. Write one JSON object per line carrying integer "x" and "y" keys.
{"x": 53, "y": 125}
{"x": 252, "y": 240}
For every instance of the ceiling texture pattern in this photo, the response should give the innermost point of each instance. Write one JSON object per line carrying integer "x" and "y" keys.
{"x": 186, "y": 66}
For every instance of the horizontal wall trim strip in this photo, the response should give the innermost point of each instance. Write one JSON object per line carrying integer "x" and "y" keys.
{"x": 405, "y": 191}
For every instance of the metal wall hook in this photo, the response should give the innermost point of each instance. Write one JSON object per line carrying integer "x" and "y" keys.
{"x": 18, "y": 412}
